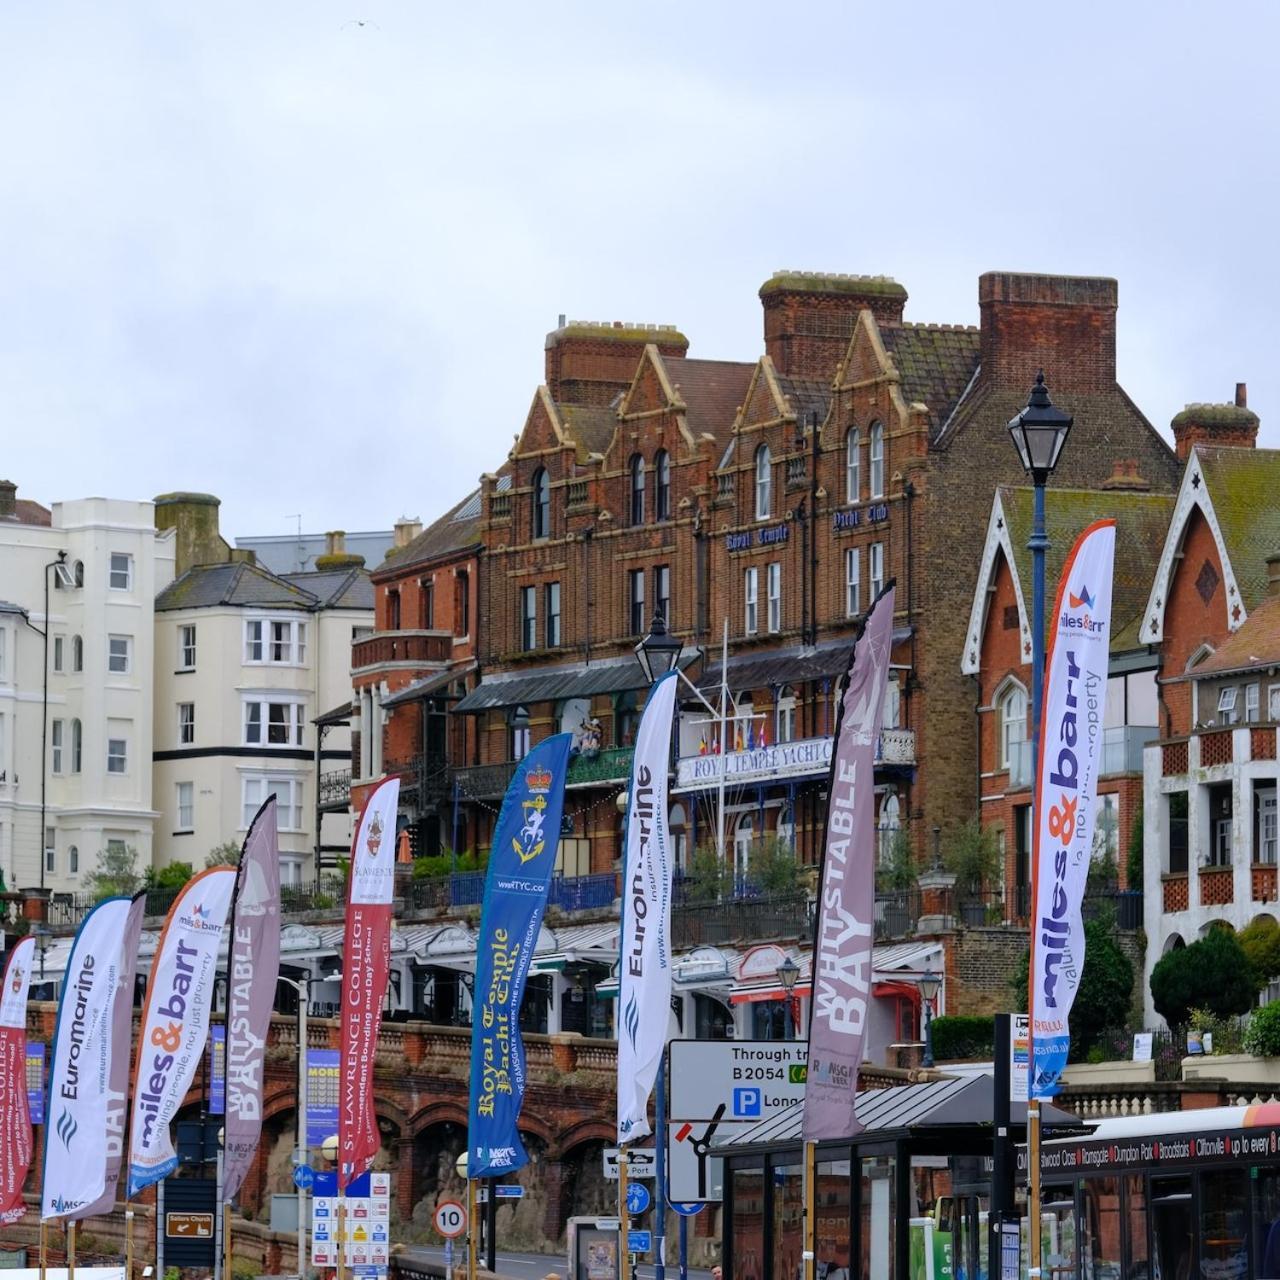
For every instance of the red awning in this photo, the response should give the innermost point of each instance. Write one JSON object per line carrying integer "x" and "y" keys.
{"x": 752, "y": 995}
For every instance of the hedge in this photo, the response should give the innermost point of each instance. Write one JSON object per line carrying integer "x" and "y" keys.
{"x": 963, "y": 1037}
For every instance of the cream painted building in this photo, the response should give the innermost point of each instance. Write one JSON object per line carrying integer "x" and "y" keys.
{"x": 102, "y": 562}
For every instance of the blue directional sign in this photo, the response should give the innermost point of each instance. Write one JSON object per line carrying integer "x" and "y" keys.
{"x": 638, "y": 1198}
{"x": 639, "y": 1241}
{"x": 304, "y": 1177}
{"x": 687, "y": 1210}
{"x": 508, "y": 1191}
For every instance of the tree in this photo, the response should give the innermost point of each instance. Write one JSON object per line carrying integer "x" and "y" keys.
{"x": 1134, "y": 866}
{"x": 772, "y": 866}
{"x": 117, "y": 873}
{"x": 973, "y": 856}
{"x": 172, "y": 875}
{"x": 1211, "y": 974}
{"x": 897, "y": 869}
{"x": 1260, "y": 942}
{"x": 226, "y": 854}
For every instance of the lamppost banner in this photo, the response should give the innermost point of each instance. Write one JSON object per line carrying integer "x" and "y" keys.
{"x": 366, "y": 965}
{"x": 644, "y": 965}
{"x": 15, "y": 1115}
{"x": 844, "y": 934}
{"x": 521, "y": 862}
{"x": 76, "y": 1137}
{"x": 253, "y": 965}
{"x": 175, "y": 1020}
{"x": 1071, "y": 723}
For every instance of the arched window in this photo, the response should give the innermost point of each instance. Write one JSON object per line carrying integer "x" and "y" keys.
{"x": 77, "y": 743}
{"x": 890, "y": 822}
{"x": 853, "y": 465}
{"x": 764, "y": 483}
{"x": 1012, "y": 706}
{"x": 787, "y": 826}
{"x": 73, "y": 860}
{"x": 786, "y": 726}
{"x": 541, "y": 504}
{"x": 637, "y": 488}
{"x": 876, "y": 460}
{"x": 744, "y": 835}
{"x": 662, "y": 485}
{"x": 77, "y": 653}
{"x": 521, "y": 738}
{"x": 79, "y": 573}
{"x": 892, "y": 717}
{"x": 677, "y": 822}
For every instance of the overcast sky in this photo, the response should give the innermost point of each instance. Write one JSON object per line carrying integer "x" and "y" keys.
{"x": 262, "y": 250}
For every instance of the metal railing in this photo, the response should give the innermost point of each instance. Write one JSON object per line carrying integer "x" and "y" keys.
{"x": 335, "y": 787}
{"x": 1122, "y": 747}
{"x": 696, "y": 924}
{"x": 487, "y": 781}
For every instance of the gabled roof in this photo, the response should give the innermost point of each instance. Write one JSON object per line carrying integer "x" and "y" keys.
{"x": 336, "y": 588}
{"x": 1256, "y": 644}
{"x": 205, "y": 586}
{"x": 937, "y": 362}
{"x": 712, "y": 390}
{"x": 456, "y": 530}
{"x": 26, "y": 511}
{"x": 591, "y": 426}
{"x": 807, "y": 396}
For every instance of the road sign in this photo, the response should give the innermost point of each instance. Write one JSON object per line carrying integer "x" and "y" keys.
{"x": 189, "y": 1226}
{"x": 686, "y": 1210}
{"x": 304, "y": 1177}
{"x": 450, "y": 1219}
{"x": 639, "y": 1241}
{"x": 1019, "y": 1056}
{"x": 736, "y": 1079}
{"x": 638, "y": 1198}
{"x": 642, "y": 1162}
{"x": 508, "y": 1191}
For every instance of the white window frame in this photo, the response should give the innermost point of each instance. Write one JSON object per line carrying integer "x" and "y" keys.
{"x": 56, "y": 740}
{"x": 73, "y": 860}
{"x": 186, "y": 724}
{"x": 785, "y": 719}
{"x": 1011, "y": 691}
{"x": 1227, "y": 697}
{"x": 553, "y": 598}
{"x": 853, "y": 465}
{"x": 662, "y": 592}
{"x": 636, "y": 602}
{"x": 187, "y": 821}
{"x": 77, "y": 745}
{"x": 112, "y": 655}
{"x": 876, "y": 565}
{"x": 77, "y": 654}
{"x": 295, "y": 720}
{"x": 875, "y": 461}
{"x": 1273, "y": 702}
{"x": 51, "y": 850}
{"x": 773, "y": 587}
{"x": 261, "y": 642}
{"x": 59, "y": 653}
{"x": 764, "y": 483}
{"x": 256, "y": 787}
{"x": 1252, "y": 702}
{"x": 121, "y": 756}
{"x": 852, "y": 581}
{"x": 528, "y": 619}
{"x": 187, "y": 646}
{"x": 751, "y": 601}
{"x": 1268, "y": 827}
{"x": 112, "y": 571}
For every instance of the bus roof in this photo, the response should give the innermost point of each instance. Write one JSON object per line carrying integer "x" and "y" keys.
{"x": 1267, "y": 1113}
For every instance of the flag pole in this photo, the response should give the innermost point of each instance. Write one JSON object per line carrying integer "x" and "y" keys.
{"x": 473, "y": 1229}
{"x": 128, "y": 1238}
{"x": 810, "y": 1209}
{"x": 44, "y": 1241}
{"x": 342, "y": 1241}
{"x": 624, "y": 1217}
{"x": 71, "y": 1250}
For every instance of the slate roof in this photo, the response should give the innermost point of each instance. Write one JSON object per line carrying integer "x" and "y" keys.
{"x": 336, "y": 588}
{"x": 1142, "y": 521}
{"x": 26, "y": 511}
{"x": 456, "y": 530}
{"x": 205, "y": 586}
{"x": 1244, "y": 484}
{"x": 713, "y": 390}
{"x": 937, "y": 363}
{"x": 591, "y": 426}
{"x": 807, "y": 396}
{"x": 1256, "y": 644}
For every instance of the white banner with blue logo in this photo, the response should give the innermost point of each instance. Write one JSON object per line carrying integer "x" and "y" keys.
{"x": 175, "y": 1020}
{"x": 1071, "y": 725}
{"x": 644, "y": 962}
{"x": 76, "y": 1147}
{"x": 521, "y": 862}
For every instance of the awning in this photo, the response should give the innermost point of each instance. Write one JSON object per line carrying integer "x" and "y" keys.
{"x": 339, "y": 715}
{"x": 796, "y": 664}
{"x": 579, "y": 944}
{"x": 554, "y": 684}
{"x": 426, "y": 687}
{"x": 754, "y": 995}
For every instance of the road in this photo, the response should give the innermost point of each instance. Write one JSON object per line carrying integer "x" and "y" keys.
{"x": 534, "y": 1266}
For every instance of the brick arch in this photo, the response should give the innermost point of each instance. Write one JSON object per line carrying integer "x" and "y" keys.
{"x": 442, "y": 1111}
{"x": 594, "y": 1129}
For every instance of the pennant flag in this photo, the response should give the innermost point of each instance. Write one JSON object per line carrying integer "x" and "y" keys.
{"x": 515, "y": 897}
{"x": 1071, "y": 712}
{"x": 702, "y": 745}
{"x": 366, "y": 964}
{"x": 843, "y": 935}
{"x": 764, "y": 737}
{"x": 121, "y": 1046}
{"x": 76, "y": 1137}
{"x": 751, "y": 736}
{"x": 644, "y": 983}
{"x": 253, "y": 965}
{"x": 15, "y": 1116}
{"x": 175, "y": 1020}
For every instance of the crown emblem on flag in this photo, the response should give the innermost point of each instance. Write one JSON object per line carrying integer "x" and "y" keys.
{"x": 538, "y": 779}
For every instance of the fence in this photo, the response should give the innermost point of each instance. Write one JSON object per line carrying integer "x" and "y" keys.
{"x": 696, "y": 924}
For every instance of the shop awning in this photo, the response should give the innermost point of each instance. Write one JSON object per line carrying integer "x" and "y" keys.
{"x": 427, "y": 687}
{"x": 579, "y": 944}
{"x": 554, "y": 684}
{"x": 796, "y": 664}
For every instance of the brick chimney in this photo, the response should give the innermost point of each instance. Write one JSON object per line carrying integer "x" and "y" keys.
{"x": 8, "y": 500}
{"x": 336, "y": 555}
{"x": 809, "y": 316}
{"x": 1065, "y": 325}
{"x": 1124, "y": 475}
{"x": 406, "y": 529}
{"x": 1231, "y": 426}
{"x": 590, "y": 363}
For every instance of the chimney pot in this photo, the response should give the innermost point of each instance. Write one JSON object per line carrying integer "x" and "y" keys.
{"x": 8, "y": 498}
{"x": 407, "y": 528}
{"x": 1242, "y": 395}
{"x": 335, "y": 542}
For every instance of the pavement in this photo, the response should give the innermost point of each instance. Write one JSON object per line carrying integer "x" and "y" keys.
{"x": 534, "y": 1266}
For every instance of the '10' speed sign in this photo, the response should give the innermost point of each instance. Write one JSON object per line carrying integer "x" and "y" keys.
{"x": 450, "y": 1219}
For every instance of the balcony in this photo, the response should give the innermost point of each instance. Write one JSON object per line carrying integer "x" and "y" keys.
{"x": 603, "y": 768}
{"x": 402, "y": 647}
{"x": 424, "y": 782}
{"x": 1216, "y": 746}
{"x": 1122, "y": 747}
{"x": 335, "y": 790}
{"x": 757, "y": 919}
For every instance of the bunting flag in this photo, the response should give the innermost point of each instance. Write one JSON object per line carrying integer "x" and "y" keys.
{"x": 1071, "y": 720}
{"x": 253, "y": 965}
{"x": 15, "y": 1117}
{"x": 175, "y": 1020}
{"x": 644, "y": 964}
{"x": 516, "y": 884}
{"x": 121, "y": 1045}
{"x": 77, "y": 1137}
{"x": 366, "y": 965}
{"x": 843, "y": 935}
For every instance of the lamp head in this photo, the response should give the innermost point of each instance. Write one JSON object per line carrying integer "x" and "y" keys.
{"x": 659, "y": 651}
{"x": 1039, "y": 432}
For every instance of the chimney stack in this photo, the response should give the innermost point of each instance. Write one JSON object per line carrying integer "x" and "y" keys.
{"x": 336, "y": 555}
{"x": 1223, "y": 426}
{"x": 1242, "y": 396}
{"x": 590, "y": 363}
{"x": 407, "y": 528}
{"x": 8, "y": 500}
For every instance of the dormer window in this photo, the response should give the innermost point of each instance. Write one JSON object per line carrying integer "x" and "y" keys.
{"x": 764, "y": 483}
{"x": 1227, "y": 712}
{"x": 541, "y": 504}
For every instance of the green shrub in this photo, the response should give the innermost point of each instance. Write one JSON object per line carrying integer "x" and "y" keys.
{"x": 973, "y": 856}
{"x": 1212, "y": 974}
{"x": 897, "y": 869}
{"x": 1133, "y": 863}
{"x": 1260, "y": 942}
{"x": 958, "y": 1036}
{"x": 172, "y": 875}
{"x": 709, "y": 876}
{"x": 1262, "y": 1038}
{"x": 772, "y": 866}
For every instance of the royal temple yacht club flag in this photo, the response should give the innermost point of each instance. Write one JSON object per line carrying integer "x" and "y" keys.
{"x": 1071, "y": 732}
{"x": 644, "y": 967}
{"x": 15, "y": 1117}
{"x": 844, "y": 931}
{"x": 253, "y": 965}
{"x": 77, "y": 1137}
{"x": 175, "y": 1020}
{"x": 366, "y": 964}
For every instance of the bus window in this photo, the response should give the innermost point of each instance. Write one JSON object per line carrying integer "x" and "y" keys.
{"x": 1058, "y": 1232}
{"x": 1172, "y": 1222}
{"x": 1266, "y": 1222}
{"x": 1135, "y": 1200}
{"x": 1224, "y": 1215}
{"x": 1100, "y": 1229}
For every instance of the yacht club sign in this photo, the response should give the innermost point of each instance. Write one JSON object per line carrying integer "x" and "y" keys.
{"x": 781, "y": 760}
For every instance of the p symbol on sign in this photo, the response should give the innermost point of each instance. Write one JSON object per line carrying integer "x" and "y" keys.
{"x": 746, "y": 1102}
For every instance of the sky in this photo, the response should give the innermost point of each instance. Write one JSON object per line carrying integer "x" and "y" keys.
{"x": 304, "y": 254}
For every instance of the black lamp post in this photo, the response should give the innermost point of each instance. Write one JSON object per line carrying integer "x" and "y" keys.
{"x": 788, "y": 975}
{"x": 659, "y": 651}
{"x": 930, "y": 984}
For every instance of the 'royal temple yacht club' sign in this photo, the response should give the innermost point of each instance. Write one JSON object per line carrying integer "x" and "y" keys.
{"x": 781, "y": 760}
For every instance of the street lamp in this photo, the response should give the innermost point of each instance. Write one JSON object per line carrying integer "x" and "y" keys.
{"x": 788, "y": 974}
{"x": 929, "y": 985}
{"x": 659, "y": 651}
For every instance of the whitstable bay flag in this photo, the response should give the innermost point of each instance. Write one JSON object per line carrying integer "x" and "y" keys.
{"x": 175, "y": 1020}
{"x": 844, "y": 932}
{"x": 644, "y": 967}
{"x": 15, "y": 1116}
{"x": 77, "y": 1137}
{"x": 1075, "y": 696}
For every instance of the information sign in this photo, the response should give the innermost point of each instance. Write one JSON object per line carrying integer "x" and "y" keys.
{"x": 1019, "y": 1056}
{"x": 366, "y": 1228}
{"x": 642, "y": 1162}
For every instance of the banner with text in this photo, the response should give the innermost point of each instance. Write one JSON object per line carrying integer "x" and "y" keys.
{"x": 1071, "y": 722}
{"x": 366, "y": 965}
{"x": 521, "y": 861}
{"x": 15, "y": 1115}
{"x": 843, "y": 936}
{"x": 175, "y": 1020}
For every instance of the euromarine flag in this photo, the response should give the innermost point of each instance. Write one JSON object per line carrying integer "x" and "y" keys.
{"x": 1071, "y": 720}
{"x": 15, "y": 1116}
{"x": 175, "y": 1020}
{"x": 253, "y": 965}
{"x": 644, "y": 965}
{"x": 366, "y": 965}
{"x": 77, "y": 1136}
{"x": 515, "y": 896}
{"x": 845, "y": 928}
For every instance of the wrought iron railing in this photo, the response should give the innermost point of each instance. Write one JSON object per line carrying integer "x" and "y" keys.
{"x": 696, "y": 924}
{"x": 335, "y": 787}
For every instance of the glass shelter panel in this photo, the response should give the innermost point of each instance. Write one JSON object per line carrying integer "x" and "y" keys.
{"x": 748, "y": 1223}
{"x": 877, "y": 1215}
{"x": 788, "y": 1218}
{"x": 832, "y": 1204}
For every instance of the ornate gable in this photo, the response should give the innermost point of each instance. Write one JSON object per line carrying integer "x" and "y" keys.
{"x": 997, "y": 545}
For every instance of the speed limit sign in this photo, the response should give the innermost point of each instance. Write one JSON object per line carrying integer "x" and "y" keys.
{"x": 450, "y": 1219}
